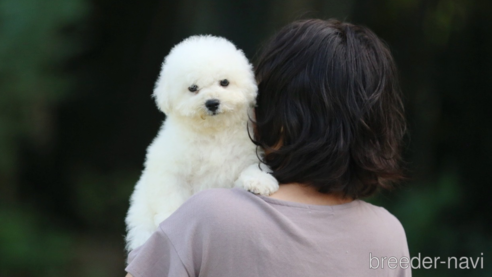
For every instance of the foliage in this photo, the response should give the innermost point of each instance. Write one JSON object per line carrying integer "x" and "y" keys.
{"x": 33, "y": 48}
{"x": 31, "y": 244}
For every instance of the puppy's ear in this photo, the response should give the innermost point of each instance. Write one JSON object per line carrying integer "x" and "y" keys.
{"x": 162, "y": 95}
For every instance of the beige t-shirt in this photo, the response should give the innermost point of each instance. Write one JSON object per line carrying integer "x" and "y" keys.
{"x": 234, "y": 233}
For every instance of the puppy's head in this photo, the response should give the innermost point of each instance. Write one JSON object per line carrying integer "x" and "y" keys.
{"x": 205, "y": 78}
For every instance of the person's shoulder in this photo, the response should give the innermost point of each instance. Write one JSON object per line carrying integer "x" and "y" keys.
{"x": 384, "y": 217}
{"x": 219, "y": 192}
{"x": 220, "y": 197}
{"x": 383, "y": 226}
{"x": 380, "y": 212}
{"x": 214, "y": 213}
{"x": 220, "y": 204}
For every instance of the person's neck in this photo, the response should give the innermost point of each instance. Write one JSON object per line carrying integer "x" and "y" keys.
{"x": 295, "y": 192}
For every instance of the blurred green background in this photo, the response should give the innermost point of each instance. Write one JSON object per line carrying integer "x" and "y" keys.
{"x": 76, "y": 117}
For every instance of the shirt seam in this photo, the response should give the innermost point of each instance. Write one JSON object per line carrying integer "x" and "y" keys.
{"x": 321, "y": 208}
{"x": 176, "y": 251}
{"x": 294, "y": 206}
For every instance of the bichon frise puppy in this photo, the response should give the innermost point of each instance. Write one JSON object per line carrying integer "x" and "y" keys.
{"x": 207, "y": 90}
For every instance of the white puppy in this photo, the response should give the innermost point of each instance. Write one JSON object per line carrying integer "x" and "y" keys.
{"x": 207, "y": 90}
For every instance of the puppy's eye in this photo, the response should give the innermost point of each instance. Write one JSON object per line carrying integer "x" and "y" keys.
{"x": 193, "y": 88}
{"x": 224, "y": 83}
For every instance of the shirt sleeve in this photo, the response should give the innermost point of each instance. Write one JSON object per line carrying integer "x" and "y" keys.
{"x": 187, "y": 242}
{"x": 157, "y": 257}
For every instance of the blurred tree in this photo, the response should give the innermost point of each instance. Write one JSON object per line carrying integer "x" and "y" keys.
{"x": 34, "y": 44}
{"x": 32, "y": 50}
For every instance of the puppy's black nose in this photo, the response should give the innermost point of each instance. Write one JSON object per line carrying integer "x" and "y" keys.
{"x": 212, "y": 104}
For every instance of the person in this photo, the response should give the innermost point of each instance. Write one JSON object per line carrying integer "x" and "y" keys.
{"x": 330, "y": 119}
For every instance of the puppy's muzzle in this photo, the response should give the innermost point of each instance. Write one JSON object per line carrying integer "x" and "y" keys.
{"x": 212, "y": 105}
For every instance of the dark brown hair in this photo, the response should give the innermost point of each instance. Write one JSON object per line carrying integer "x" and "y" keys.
{"x": 329, "y": 111}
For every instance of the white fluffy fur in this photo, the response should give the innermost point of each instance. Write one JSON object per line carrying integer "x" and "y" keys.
{"x": 195, "y": 149}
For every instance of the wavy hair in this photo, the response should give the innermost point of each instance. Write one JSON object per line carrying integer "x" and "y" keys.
{"x": 329, "y": 112}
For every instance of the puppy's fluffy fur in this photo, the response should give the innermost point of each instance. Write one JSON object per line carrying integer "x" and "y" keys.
{"x": 199, "y": 146}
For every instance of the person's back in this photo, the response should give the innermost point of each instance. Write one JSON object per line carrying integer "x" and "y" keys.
{"x": 330, "y": 120}
{"x": 236, "y": 233}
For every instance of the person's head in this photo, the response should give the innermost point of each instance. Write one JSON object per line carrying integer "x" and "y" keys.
{"x": 329, "y": 112}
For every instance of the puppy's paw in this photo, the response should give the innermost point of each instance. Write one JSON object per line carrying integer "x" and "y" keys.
{"x": 257, "y": 180}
